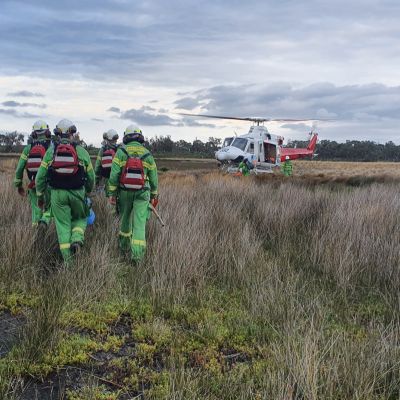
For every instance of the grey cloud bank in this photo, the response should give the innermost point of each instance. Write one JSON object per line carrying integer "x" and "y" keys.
{"x": 320, "y": 100}
{"x": 24, "y": 93}
{"x": 175, "y": 41}
{"x": 12, "y": 103}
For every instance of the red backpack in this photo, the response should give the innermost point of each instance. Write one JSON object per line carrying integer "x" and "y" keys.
{"x": 132, "y": 177}
{"x": 106, "y": 162}
{"x": 65, "y": 171}
{"x": 35, "y": 157}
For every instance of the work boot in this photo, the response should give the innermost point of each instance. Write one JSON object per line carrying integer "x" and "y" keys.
{"x": 76, "y": 247}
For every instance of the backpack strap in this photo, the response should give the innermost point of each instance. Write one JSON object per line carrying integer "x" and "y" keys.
{"x": 144, "y": 156}
{"x": 124, "y": 150}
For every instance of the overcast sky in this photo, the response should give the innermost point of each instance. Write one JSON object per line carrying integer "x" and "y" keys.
{"x": 109, "y": 63}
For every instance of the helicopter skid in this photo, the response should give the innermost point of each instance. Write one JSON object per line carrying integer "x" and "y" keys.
{"x": 258, "y": 169}
{"x": 264, "y": 168}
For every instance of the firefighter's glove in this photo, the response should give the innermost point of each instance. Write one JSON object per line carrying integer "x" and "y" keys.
{"x": 154, "y": 201}
{"x": 112, "y": 200}
{"x": 21, "y": 191}
{"x": 40, "y": 203}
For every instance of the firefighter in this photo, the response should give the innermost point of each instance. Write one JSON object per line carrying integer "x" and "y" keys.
{"x": 287, "y": 167}
{"x": 30, "y": 159}
{"x": 244, "y": 168}
{"x": 67, "y": 170}
{"x": 134, "y": 179}
{"x": 104, "y": 159}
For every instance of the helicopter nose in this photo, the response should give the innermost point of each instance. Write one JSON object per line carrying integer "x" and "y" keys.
{"x": 221, "y": 155}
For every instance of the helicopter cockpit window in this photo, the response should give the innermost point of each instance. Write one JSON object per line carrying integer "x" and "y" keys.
{"x": 251, "y": 148}
{"x": 240, "y": 143}
{"x": 227, "y": 141}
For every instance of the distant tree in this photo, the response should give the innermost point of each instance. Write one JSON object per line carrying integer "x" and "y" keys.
{"x": 11, "y": 139}
{"x": 198, "y": 146}
{"x": 162, "y": 144}
{"x": 212, "y": 145}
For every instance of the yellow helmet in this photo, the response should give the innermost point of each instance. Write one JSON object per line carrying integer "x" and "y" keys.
{"x": 40, "y": 125}
{"x": 131, "y": 129}
{"x": 132, "y": 133}
{"x": 40, "y": 130}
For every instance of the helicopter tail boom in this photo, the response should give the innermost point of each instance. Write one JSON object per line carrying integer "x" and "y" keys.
{"x": 294, "y": 154}
{"x": 313, "y": 142}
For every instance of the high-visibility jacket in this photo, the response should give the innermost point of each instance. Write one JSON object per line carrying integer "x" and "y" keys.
{"x": 244, "y": 169}
{"x": 84, "y": 160}
{"x": 98, "y": 164}
{"x": 134, "y": 149}
{"x": 287, "y": 168}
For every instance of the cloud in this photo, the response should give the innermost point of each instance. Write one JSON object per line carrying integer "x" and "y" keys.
{"x": 187, "y": 121}
{"x": 212, "y": 41}
{"x": 24, "y": 93}
{"x": 297, "y": 127}
{"x": 316, "y": 101}
{"x": 97, "y": 119}
{"x": 15, "y": 113}
{"x": 141, "y": 116}
{"x": 114, "y": 109}
{"x": 187, "y": 103}
{"x": 12, "y": 103}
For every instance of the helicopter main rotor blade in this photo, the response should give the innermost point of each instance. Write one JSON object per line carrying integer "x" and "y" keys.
{"x": 218, "y": 117}
{"x": 254, "y": 119}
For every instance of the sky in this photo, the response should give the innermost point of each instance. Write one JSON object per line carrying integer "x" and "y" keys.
{"x": 111, "y": 63}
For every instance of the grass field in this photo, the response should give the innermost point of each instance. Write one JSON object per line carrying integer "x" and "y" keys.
{"x": 258, "y": 288}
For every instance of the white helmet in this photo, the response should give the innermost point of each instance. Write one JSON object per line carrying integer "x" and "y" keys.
{"x": 287, "y": 158}
{"x": 65, "y": 127}
{"x": 110, "y": 135}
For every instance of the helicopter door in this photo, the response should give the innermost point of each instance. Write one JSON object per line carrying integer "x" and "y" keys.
{"x": 270, "y": 153}
{"x": 250, "y": 148}
{"x": 261, "y": 152}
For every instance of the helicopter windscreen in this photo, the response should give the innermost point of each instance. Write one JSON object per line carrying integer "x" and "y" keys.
{"x": 240, "y": 143}
{"x": 227, "y": 141}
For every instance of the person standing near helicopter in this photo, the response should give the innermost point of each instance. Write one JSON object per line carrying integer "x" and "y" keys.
{"x": 244, "y": 168}
{"x": 287, "y": 167}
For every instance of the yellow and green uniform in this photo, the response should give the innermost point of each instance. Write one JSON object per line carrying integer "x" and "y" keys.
{"x": 244, "y": 169}
{"x": 287, "y": 168}
{"x": 133, "y": 204}
{"x": 37, "y": 214}
{"x": 98, "y": 168}
{"x": 68, "y": 205}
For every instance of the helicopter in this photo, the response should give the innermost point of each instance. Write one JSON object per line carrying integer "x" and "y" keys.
{"x": 259, "y": 147}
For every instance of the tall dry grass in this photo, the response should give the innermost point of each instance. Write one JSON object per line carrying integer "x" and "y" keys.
{"x": 318, "y": 267}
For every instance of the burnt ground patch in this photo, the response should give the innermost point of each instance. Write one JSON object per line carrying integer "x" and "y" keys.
{"x": 10, "y": 327}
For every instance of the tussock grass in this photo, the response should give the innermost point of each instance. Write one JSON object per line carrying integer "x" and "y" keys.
{"x": 254, "y": 289}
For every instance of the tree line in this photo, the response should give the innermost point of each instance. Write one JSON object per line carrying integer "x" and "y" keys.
{"x": 329, "y": 150}
{"x": 353, "y": 150}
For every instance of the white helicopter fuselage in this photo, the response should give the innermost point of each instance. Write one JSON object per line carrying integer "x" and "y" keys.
{"x": 258, "y": 146}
